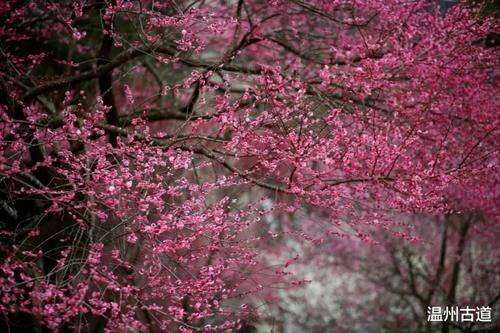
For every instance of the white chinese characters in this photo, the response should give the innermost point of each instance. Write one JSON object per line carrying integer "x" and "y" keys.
{"x": 458, "y": 314}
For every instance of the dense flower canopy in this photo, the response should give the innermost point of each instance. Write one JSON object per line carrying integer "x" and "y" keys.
{"x": 150, "y": 151}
